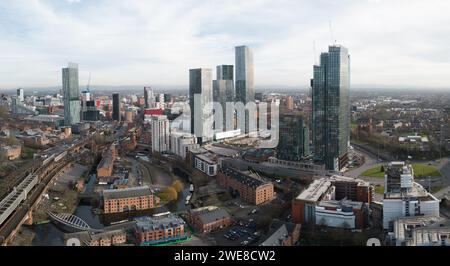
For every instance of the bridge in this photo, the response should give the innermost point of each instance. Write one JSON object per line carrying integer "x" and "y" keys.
{"x": 72, "y": 221}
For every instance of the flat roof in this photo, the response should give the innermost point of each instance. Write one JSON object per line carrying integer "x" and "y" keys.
{"x": 315, "y": 190}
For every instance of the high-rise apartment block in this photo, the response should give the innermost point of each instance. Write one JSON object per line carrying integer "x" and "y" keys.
{"x": 331, "y": 108}
{"x": 71, "y": 94}
{"x": 200, "y": 102}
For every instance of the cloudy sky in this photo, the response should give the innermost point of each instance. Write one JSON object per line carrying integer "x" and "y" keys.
{"x": 134, "y": 42}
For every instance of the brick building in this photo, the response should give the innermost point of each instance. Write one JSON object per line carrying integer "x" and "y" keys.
{"x": 207, "y": 219}
{"x": 248, "y": 186}
{"x": 160, "y": 229}
{"x": 129, "y": 199}
{"x": 335, "y": 201}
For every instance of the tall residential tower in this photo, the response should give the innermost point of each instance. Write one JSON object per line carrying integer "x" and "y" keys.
{"x": 71, "y": 94}
{"x": 245, "y": 90}
{"x": 200, "y": 97}
{"x": 223, "y": 92}
{"x": 331, "y": 108}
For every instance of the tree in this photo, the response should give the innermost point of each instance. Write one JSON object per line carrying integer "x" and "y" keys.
{"x": 169, "y": 194}
{"x": 177, "y": 185}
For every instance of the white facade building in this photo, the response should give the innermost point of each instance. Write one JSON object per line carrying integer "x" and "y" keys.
{"x": 405, "y": 198}
{"x": 160, "y": 133}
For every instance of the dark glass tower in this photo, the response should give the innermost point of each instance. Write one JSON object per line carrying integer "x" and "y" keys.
{"x": 293, "y": 142}
{"x": 245, "y": 89}
{"x": 116, "y": 107}
{"x": 331, "y": 108}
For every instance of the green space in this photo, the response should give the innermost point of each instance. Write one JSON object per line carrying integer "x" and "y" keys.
{"x": 374, "y": 172}
{"x": 379, "y": 189}
{"x": 420, "y": 170}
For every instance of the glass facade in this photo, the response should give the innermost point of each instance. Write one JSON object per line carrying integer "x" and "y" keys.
{"x": 116, "y": 107}
{"x": 245, "y": 90}
{"x": 331, "y": 108}
{"x": 293, "y": 142}
{"x": 223, "y": 92}
{"x": 71, "y": 94}
{"x": 200, "y": 81}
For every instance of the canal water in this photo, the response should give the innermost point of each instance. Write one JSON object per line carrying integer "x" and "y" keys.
{"x": 50, "y": 234}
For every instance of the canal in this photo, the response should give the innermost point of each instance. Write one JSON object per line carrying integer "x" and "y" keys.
{"x": 50, "y": 234}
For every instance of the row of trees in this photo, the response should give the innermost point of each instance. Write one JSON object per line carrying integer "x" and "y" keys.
{"x": 171, "y": 192}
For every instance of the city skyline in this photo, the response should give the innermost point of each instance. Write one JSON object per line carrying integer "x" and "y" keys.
{"x": 160, "y": 47}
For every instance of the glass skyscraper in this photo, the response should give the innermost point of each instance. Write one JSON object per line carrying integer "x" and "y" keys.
{"x": 331, "y": 108}
{"x": 116, "y": 107}
{"x": 71, "y": 94}
{"x": 200, "y": 95}
{"x": 223, "y": 92}
{"x": 245, "y": 90}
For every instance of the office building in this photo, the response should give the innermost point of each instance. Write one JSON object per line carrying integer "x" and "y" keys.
{"x": 245, "y": 90}
{"x": 200, "y": 102}
{"x": 71, "y": 95}
{"x": 421, "y": 231}
{"x": 403, "y": 197}
{"x": 293, "y": 142}
{"x": 116, "y": 107}
{"x": 160, "y": 133}
{"x": 331, "y": 108}
{"x": 335, "y": 201}
{"x": 223, "y": 92}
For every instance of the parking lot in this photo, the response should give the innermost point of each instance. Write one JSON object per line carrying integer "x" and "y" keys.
{"x": 242, "y": 233}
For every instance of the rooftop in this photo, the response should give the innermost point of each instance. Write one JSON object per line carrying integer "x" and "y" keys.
{"x": 210, "y": 214}
{"x": 126, "y": 192}
{"x": 250, "y": 179}
{"x": 144, "y": 224}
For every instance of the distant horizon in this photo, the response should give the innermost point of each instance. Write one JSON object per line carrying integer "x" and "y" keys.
{"x": 260, "y": 88}
{"x": 393, "y": 43}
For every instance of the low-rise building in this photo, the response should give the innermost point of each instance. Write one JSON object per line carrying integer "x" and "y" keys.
{"x": 10, "y": 152}
{"x": 421, "y": 231}
{"x": 207, "y": 219}
{"x": 282, "y": 234}
{"x": 248, "y": 186}
{"x": 160, "y": 229}
{"x": 335, "y": 201}
{"x": 129, "y": 199}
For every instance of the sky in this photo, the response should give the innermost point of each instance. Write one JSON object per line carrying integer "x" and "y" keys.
{"x": 155, "y": 42}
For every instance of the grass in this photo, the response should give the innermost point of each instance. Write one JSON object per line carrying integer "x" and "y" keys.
{"x": 379, "y": 189}
{"x": 420, "y": 170}
{"x": 374, "y": 172}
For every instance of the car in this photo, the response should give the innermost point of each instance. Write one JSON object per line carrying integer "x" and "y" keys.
{"x": 244, "y": 243}
{"x": 278, "y": 181}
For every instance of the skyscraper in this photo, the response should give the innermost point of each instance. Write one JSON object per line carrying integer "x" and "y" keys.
{"x": 71, "y": 94}
{"x": 20, "y": 95}
{"x": 331, "y": 108}
{"x": 200, "y": 95}
{"x": 245, "y": 91}
{"x": 149, "y": 97}
{"x": 223, "y": 92}
{"x": 116, "y": 107}
{"x": 160, "y": 133}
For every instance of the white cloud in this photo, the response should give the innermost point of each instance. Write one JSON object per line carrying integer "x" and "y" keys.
{"x": 156, "y": 42}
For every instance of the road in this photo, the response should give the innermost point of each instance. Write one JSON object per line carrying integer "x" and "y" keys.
{"x": 370, "y": 162}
